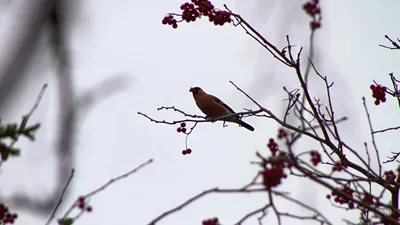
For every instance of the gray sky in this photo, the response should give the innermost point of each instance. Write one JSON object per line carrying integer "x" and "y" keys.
{"x": 161, "y": 64}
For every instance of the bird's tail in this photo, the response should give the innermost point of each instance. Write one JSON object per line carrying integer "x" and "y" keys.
{"x": 246, "y": 125}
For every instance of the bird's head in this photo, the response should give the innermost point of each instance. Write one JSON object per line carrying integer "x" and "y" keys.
{"x": 195, "y": 90}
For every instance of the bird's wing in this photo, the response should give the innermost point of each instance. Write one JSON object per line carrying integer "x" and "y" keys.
{"x": 225, "y": 105}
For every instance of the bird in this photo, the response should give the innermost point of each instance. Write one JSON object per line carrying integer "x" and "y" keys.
{"x": 213, "y": 107}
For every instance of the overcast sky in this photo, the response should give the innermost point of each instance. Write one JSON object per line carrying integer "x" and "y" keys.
{"x": 160, "y": 65}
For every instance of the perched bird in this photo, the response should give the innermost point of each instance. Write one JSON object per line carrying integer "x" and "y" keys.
{"x": 213, "y": 107}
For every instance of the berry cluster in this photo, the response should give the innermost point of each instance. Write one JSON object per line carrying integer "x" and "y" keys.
{"x": 390, "y": 177}
{"x": 204, "y": 6}
{"x": 182, "y": 128}
{"x": 281, "y": 133}
{"x": 82, "y": 204}
{"x": 212, "y": 221}
{"x": 343, "y": 199}
{"x": 170, "y": 20}
{"x": 272, "y": 176}
{"x": 339, "y": 166}
{"x": 196, "y": 9}
{"x": 5, "y": 215}
{"x": 273, "y": 146}
{"x": 379, "y": 93}
{"x": 219, "y": 17}
{"x": 314, "y": 11}
{"x": 187, "y": 151}
{"x": 189, "y": 13}
{"x": 315, "y": 157}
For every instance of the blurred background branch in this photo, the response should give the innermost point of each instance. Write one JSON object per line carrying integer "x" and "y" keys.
{"x": 29, "y": 21}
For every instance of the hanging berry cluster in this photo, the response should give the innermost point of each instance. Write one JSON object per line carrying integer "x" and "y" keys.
{"x": 314, "y": 11}
{"x": 274, "y": 171}
{"x": 83, "y": 205}
{"x": 187, "y": 151}
{"x": 339, "y": 166}
{"x": 282, "y": 133}
{"x": 6, "y": 217}
{"x": 379, "y": 93}
{"x": 315, "y": 157}
{"x": 212, "y": 221}
{"x": 272, "y": 146}
{"x": 196, "y": 9}
{"x": 181, "y": 128}
{"x": 272, "y": 177}
{"x": 341, "y": 199}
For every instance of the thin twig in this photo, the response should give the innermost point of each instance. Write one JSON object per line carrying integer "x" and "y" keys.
{"x": 26, "y": 118}
{"x": 373, "y": 137}
{"x": 387, "y": 129}
{"x": 248, "y": 215}
{"x": 110, "y": 182}
{"x": 61, "y": 197}
{"x": 198, "y": 196}
{"x": 260, "y": 39}
{"x": 396, "y": 92}
{"x": 396, "y": 46}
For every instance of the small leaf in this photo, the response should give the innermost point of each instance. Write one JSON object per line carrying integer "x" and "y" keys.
{"x": 15, "y": 151}
{"x": 29, "y": 135}
{"x": 66, "y": 221}
{"x": 33, "y": 127}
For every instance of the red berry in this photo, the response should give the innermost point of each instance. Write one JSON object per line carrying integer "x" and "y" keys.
{"x": 184, "y": 152}
{"x": 81, "y": 205}
{"x": 188, "y": 151}
{"x": 89, "y": 209}
{"x": 179, "y": 129}
{"x": 183, "y": 130}
{"x": 174, "y": 25}
{"x": 81, "y": 199}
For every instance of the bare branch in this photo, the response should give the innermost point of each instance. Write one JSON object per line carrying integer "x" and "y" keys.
{"x": 110, "y": 182}
{"x": 61, "y": 197}
{"x": 373, "y": 137}
{"x": 395, "y": 45}
{"x": 202, "y": 194}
